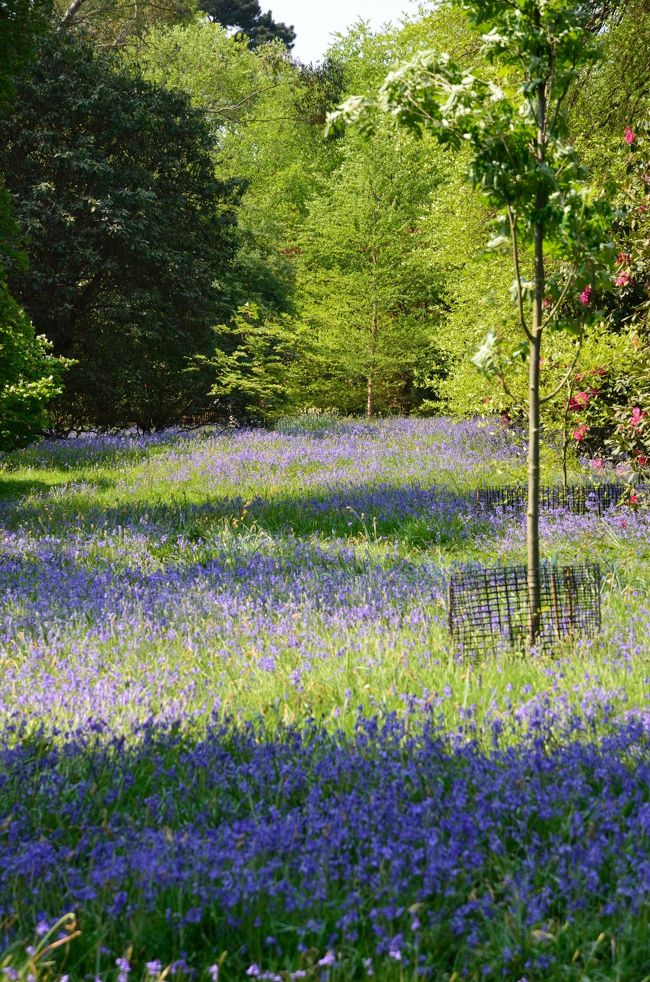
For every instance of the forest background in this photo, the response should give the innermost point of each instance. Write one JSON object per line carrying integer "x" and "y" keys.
{"x": 179, "y": 242}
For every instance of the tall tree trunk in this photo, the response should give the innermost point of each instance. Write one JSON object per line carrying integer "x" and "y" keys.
{"x": 532, "y": 514}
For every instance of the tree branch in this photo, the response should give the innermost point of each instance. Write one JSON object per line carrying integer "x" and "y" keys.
{"x": 517, "y": 265}
{"x": 556, "y": 390}
{"x": 70, "y": 13}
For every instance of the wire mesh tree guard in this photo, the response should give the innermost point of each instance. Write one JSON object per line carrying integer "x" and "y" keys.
{"x": 577, "y": 498}
{"x": 488, "y": 607}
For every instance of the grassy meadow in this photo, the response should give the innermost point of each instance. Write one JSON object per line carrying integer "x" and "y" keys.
{"x": 237, "y": 742}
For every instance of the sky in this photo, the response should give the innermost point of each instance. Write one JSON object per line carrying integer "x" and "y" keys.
{"x": 316, "y": 20}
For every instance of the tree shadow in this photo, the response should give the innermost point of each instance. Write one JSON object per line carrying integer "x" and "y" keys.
{"x": 277, "y": 844}
{"x": 413, "y": 514}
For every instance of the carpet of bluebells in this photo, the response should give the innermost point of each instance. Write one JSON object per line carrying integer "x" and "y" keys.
{"x": 236, "y": 742}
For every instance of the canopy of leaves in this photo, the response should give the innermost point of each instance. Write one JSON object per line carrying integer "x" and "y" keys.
{"x": 130, "y": 233}
{"x": 111, "y": 24}
{"x": 30, "y": 377}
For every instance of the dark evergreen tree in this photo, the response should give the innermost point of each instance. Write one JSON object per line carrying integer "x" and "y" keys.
{"x": 247, "y": 17}
{"x": 130, "y": 233}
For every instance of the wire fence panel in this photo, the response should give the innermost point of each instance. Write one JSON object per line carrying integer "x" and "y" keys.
{"x": 577, "y": 498}
{"x": 488, "y": 607}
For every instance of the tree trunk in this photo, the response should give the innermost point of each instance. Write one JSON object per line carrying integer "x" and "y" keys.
{"x": 372, "y": 347}
{"x": 532, "y": 514}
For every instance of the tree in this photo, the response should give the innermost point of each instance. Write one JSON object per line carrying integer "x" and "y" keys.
{"x": 247, "y": 17}
{"x": 369, "y": 302}
{"x": 266, "y": 115}
{"x": 130, "y": 233}
{"x": 520, "y": 158}
{"x": 111, "y": 24}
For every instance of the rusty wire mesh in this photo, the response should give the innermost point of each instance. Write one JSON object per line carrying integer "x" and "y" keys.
{"x": 488, "y": 607}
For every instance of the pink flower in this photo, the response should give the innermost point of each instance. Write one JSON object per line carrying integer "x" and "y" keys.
{"x": 623, "y": 279}
{"x": 579, "y": 400}
{"x": 630, "y": 136}
{"x": 623, "y": 258}
{"x": 637, "y": 415}
{"x": 598, "y": 463}
{"x": 547, "y": 303}
{"x": 585, "y": 296}
{"x": 581, "y": 432}
{"x": 641, "y": 459}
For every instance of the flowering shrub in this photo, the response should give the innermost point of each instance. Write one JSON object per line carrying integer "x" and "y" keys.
{"x": 608, "y": 404}
{"x": 607, "y": 418}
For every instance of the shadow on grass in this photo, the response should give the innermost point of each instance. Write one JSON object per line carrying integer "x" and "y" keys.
{"x": 280, "y": 847}
{"x": 414, "y": 515}
{"x": 77, "y": 453}
{"x": 13, "y": 487}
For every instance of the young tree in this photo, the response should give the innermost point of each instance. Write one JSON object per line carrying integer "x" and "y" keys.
{"x": 369, "y": 302}
{"x": 519, "y": 156}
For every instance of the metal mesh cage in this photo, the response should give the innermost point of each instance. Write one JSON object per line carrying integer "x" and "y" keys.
{"x": 578, "y": 498}
{"x": 489, "y": 606}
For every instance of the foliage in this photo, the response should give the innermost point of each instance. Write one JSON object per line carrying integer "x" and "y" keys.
{"x": 20, "y": 20}
{"x": 266, "y": 116}
{"x": 130, "y": 233}
{"x": 29, "y": 376}
{"x": 607, "y": 408}
{"x": 253, "y": 364}
{"x": 367, "y": 295}
{"x": 111, "y": 24}
{"x": 259, "y": 28}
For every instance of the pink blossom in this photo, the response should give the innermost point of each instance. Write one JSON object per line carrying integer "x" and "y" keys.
{"x": 623, "y": 258}
{"x": 641, "y": 459}
{"x": 598, "y": 463}
{"x": 547, "y": 303}
{"x": 630, "y": 136}
{"x": 637, "y": 415}
{"x": 579, "y": 400}
{"x": 585, "y": 296}
{"x": 623, "y": 279}
{"x": 581, "y": 432}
